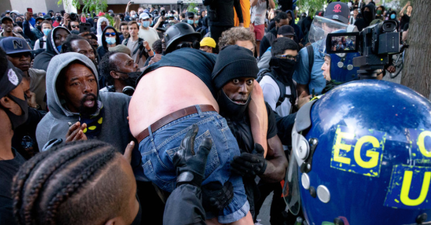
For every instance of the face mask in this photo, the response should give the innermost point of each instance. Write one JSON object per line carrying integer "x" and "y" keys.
{"x": 15, "y": 120}
{"x": 368, "y": 15}
{"x": 131, "y": 79}
{"x": 59, "y": 48}
{"x": 196, "y": 21}
{"x": 103, "y": 27}
{"x": 46, "y": 31}
{"x": 379, "y": 12}
{"x": 146, "y": 24}
{"x": 39, "y": 27}
{"x": 139, "y": 24}
{"x": 231, "y": 109}
{"x": 111, "y": 40}
{"x": 393, "y": 16}
{"x": 19, "y": 23}
{"x": 284, "y": 69}
{"x": 190, "y": 21}
{"x": 93, "y": 117}
{"x": 134, "y": 16}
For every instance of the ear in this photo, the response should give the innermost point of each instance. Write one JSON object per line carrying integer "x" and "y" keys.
{"x": 112, "y": 221}
{"x": 6, "y": 103}
{"x": 114, "y": 75}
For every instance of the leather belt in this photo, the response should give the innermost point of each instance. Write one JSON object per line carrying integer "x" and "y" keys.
{"x": 171, "y": 117}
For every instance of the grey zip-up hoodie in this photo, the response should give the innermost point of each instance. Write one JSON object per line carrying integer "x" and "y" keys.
{"x": 115, "y": 127}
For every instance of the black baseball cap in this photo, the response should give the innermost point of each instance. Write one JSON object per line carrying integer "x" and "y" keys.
{"x": 13, "y": 45}
{"x": 286, "y": 30}
{"x": 338, "y": 11}
{"x": 6, "y": 18}
{"x": 10, "y": 79}
{"x": 190, "y": 14}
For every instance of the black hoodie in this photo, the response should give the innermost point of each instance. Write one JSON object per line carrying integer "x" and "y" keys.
{"x": 367, "y": 17}
{"x": 102, "y": 50}
{"x": 42, "y": 60}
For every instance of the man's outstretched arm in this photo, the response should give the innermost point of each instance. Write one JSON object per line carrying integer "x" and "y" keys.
{"x": 258, "y": 117}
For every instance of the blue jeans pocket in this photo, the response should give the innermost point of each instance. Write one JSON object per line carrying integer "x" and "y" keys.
{"x": 213, "y": 161}
{"x": 152, "y": 175}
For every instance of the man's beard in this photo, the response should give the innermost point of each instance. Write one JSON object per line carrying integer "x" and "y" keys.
{"x": 88, "y": 108}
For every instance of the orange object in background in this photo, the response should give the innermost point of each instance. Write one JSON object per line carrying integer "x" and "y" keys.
{"x": 245, "y": 6}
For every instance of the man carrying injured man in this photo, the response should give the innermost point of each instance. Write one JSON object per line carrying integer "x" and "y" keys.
{"x": 170, "y": 97}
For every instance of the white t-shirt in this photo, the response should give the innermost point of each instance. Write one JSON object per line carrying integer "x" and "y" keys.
{"x": 258, "y": 13}
{"x": 149, "y": 35}
{"x": 271, "y": 93}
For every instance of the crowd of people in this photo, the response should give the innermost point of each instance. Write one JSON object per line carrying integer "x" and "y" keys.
{"x": 160, "y": 116}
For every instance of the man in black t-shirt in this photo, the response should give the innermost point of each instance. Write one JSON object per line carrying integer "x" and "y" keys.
{"x": 233, "y": 80}
{"x": 13, "y": 112}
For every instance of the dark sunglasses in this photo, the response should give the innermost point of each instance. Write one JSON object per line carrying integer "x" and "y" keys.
{"x": 75, "y": 26}
{"x": 110, "y": 34}
{"x": 291, "y": 57}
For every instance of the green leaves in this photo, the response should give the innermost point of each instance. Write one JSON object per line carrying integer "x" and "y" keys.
{"x": 313, "y": 6}
{"x": 87, "y": 5}
{"x": 192, "y": 5}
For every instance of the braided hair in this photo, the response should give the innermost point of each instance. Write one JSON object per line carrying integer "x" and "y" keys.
{"x": 73, "y": 183}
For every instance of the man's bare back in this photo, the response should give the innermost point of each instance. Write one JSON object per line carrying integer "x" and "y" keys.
{"x": 163, "y": 91}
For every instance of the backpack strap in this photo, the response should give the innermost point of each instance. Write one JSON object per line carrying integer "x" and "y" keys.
{"x": 281, "y": 86}
{"x": 283, "y": 95}
{"x": 310, "y": 52}
{"x": 140, "y": 43}
{"x": 41, "y": 42}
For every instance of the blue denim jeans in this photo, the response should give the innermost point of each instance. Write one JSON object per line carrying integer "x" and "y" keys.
{"x": 158, "y": 149}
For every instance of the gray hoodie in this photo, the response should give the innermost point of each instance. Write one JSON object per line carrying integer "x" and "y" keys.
{"x": 115, "y": 127}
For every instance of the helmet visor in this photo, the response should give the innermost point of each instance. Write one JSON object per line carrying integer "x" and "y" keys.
{"x": 291, "y": 194}
{"x": 320, "y": 28}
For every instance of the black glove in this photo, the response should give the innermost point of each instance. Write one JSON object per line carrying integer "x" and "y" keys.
{"x": 191, "y": 166}
{"x": 249, "y": 164}
{"x": 216, "y": 197}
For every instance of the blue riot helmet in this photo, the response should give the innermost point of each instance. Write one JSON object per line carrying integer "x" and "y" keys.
{"x": 361, "y": 154}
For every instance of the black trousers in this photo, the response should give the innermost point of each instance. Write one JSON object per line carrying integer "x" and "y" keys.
{"x": 216, "y": 32}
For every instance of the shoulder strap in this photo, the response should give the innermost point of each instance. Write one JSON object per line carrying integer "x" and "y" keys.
{"x": 281, "y": 86}
{"x": 262, "y": 73}
{"x": 310, "y": 51}
{"x": 41, "y": 42}
{"x": 282, "y": 96}
{"x": 126, "y": 41}
{"x": 140, "y": 44}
